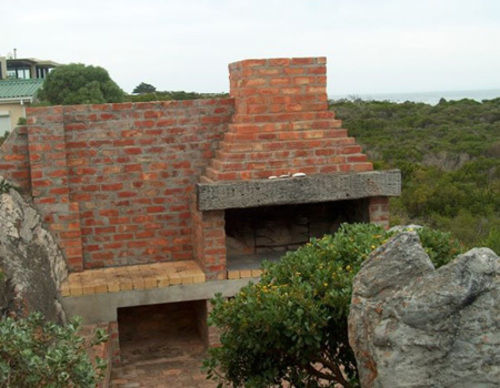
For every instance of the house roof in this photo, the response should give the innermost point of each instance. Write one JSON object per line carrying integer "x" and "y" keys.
{"x": 12, "y": 89}
{"x": 32, "y": 61}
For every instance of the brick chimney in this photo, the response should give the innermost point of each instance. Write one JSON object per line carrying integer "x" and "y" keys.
{"x": 282, "y": 124}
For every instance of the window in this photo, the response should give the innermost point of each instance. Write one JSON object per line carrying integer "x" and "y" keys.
{"x": 4, "y": 122}
{"x": 19, "y": 72}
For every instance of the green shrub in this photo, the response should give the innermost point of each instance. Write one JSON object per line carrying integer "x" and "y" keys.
{"x": 295, "y": 318}
{"x": 493, "y": 239}
{"x": 441, "y": 247}
{"x": 77, "y": 83}
{"x": 36, "y": 353}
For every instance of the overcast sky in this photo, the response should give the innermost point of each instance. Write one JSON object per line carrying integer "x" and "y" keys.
{"x": 372, "y": 46}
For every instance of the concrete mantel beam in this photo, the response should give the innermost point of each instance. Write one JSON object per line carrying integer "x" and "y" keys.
{"x": 307, "y": 189}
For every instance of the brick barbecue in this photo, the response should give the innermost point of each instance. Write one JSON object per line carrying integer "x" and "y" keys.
{"x": 207, "y": 185}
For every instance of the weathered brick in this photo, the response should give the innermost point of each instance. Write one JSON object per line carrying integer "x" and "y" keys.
{"x": 131, "y": 168}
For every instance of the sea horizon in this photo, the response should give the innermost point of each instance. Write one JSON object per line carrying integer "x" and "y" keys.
{"x": 431, "y": 97}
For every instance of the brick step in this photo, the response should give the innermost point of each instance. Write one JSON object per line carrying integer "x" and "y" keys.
{"x": 263, "y": 164}
{"x": 230, "y": 147}
{"x": 283, "y": 117}
{"x": 284, "y": 126}
{"x": 216, "y": 175}
{"x": 132, "y": 277}
{"x": 262, "y": 155}
{"x": 337, "y": 150}
{"x": 243, "y": 273}
{"x": 285, "y": 135}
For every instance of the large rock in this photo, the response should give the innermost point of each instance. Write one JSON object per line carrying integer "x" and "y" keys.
{"x": 32, "y": 266}
{"x": 411, "y": 325}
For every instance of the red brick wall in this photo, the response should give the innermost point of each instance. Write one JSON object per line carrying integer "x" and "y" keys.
{"x": 115, "y": 182}
{"x": 126, "y": 172}
{"x": 282, "y": 123}
{"x": 50, "y": 181}
{"x": 14, "y": 159}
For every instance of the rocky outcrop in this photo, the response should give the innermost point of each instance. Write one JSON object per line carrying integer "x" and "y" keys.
{"x": 411, "y": 325}
{"x": 32, "y": 266}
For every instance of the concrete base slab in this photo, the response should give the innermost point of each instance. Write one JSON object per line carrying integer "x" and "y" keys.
{"x": 103, "y": 307}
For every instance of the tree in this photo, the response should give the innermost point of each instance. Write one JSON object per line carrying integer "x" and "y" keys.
{"x": 79, "y": 84}
{"x": 144, "y": 88}
{"x": 292, "y": 324}
{"x": 36, "y": 353}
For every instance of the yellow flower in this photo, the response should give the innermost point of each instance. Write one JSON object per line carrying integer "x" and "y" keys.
{"x": 348, "y": 268}
{"x": 325, "y": 284}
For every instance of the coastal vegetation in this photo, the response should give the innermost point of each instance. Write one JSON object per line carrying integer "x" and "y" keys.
{"x": 449, "y": 157}
{"x": 171, "y": 95}
{"x": 146, "y": 92}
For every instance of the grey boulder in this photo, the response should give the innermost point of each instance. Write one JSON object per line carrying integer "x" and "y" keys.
{"x": 411, "y": 325}
{"x": 32, "y": 266}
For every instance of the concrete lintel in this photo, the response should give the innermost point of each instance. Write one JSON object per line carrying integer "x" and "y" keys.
{"x": 308, "y": 189}
{"x": 103, "y": 307}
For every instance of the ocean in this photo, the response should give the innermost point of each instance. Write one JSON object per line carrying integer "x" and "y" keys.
{"x": 426, "y": 97}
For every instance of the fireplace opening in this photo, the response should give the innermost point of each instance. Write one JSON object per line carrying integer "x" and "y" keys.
{"x": 170, "y": 331}
{"x": 268, "y": 232}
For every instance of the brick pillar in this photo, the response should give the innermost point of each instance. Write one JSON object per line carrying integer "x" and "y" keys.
{"x": 209, "y": 241}
{"x": 114, "y": 343}
{"x": 378, "y": 209}
{"x": 213, "y": 334}
{"x": 49, "y": 181}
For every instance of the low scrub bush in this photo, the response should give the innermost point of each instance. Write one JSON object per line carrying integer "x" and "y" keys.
{"x": 36, "y": 353}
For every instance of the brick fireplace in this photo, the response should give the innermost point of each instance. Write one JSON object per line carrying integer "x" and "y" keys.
{"x": 167, "y": 202}
{"x": 268, "y": 232}
{"x": 285, "y": 170}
